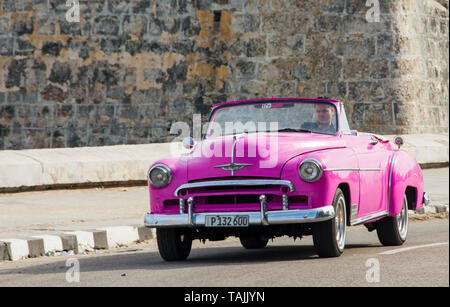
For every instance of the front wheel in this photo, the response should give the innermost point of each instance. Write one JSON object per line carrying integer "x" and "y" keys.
{"x": 392, "y": 230}
{"x": 329, "y": 236}
{"x": 174, "y": 243}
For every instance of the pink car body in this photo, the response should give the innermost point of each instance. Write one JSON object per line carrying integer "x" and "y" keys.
{"x": 374, "y": 176}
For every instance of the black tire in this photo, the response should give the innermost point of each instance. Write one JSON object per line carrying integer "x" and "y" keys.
{"x": 253, "y": 242}
{"x": 329, "y": 236}
{"x": 393, "y": 230}
{"x": 174, "y": 243}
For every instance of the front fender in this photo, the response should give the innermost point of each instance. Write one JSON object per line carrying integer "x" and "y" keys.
{"x": 404, "y": 172}
{"x": 322, "y": 192}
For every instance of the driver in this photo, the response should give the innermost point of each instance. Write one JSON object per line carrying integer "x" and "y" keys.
{"x": 324, "y": 114}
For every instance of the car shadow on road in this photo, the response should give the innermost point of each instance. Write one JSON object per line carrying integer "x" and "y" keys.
{"x": 233, "y": 255}
{"x": 142, "y": 259}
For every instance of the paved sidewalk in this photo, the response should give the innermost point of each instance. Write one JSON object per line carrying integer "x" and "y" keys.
{"x": 28, "y": 213}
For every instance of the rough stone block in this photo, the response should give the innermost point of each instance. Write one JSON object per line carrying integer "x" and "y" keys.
{"x": 136, "y": 25}
{"x": 6, "y": 46}
{"x": 4, "y": 25}
{"x": 441, "y": 208}
{"x": 426, "y": 210}
{"x": 69, "y": 242}
{"x": 107, "y": 25}
{"x": 146, "y": 233}
{"x": 100, "y": 239}
{"x": 5, "y": 254}
{"x": 36, "y": 247}
{"x": 355, "y": 46}
{"x": 21, "y": 27}
{"x": 356, "y": 68}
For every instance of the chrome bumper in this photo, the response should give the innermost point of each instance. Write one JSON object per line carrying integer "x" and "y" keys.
{"x": 255, "y": 218}
{"x": 253, "y": 182}
{"x": 426, "y": 199}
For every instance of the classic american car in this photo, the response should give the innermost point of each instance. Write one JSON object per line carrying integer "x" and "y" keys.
{"x": 268, "y": 168}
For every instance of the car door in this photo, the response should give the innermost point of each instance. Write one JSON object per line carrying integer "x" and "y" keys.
{"x": 373, "y": 166}
{"x": 373, "y": 162}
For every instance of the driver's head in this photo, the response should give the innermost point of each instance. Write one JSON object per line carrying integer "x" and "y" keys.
{"x": 324, "y": 114}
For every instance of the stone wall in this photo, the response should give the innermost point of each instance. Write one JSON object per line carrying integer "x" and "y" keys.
{"x": 129, "y": 69}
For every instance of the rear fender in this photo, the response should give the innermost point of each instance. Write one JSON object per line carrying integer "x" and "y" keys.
{"x": 404, "y": 172}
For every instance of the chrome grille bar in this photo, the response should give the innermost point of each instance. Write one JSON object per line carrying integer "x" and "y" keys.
{"x": 219, "y": 183}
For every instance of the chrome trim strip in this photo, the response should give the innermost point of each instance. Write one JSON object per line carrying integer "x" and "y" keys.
{"x": 272, "y": 217}
{"x": 234, "y": 182}
{"x": 390, "y": 181}
{"x": 263, "y": 201}
{"x": 285, "y": 202}
{"x": 181, "y": 205}
{"x": 190, "y": 202}
{"x": 235, "y": 140}
{"x": 352, "y": 169}
{"x": 353, "y": 213}
{"x": 232, "y": 153}
{"x": 369, "y": 217}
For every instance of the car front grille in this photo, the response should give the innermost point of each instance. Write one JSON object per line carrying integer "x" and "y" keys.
{"x": 238, "y": 202}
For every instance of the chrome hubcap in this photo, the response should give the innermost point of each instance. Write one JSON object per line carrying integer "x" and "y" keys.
{"x": 402, "y": 220}
{"x": 340, "y": 222}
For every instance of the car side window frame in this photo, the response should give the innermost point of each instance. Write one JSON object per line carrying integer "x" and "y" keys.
{"x": 344, "y": 126}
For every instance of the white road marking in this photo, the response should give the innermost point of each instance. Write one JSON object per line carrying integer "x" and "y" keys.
{"x": 399, "y": 250}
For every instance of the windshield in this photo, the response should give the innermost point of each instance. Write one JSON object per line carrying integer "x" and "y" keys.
{"x": 306, "y": 117}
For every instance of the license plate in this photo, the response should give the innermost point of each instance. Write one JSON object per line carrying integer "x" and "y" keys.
{"x": 227, "y": 221}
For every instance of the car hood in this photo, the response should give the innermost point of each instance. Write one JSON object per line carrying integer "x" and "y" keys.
{"x": 261, "y": 154}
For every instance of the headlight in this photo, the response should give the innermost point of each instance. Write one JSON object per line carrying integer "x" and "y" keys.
{"x": 160, "y": 175}
{"x": 310, "y": 170}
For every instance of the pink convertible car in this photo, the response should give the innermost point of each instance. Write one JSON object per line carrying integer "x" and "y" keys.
{"x": 267, "y": 168}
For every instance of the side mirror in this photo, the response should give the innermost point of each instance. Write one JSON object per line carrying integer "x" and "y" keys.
{"x": 188, "y": 143}
{"x": 398, "y": 141}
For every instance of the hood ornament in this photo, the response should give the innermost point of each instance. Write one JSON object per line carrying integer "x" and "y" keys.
{"x": 233, "y": 166}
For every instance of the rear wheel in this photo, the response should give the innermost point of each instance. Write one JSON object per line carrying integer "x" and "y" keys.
{"x": 392, "y": 230}
{"x": 174, "y": 243}
{"x": 329, "y": 236}
{"x": 253, "y": 242}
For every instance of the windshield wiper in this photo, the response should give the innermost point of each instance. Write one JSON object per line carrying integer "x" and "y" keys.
{"x": 279, "y": 130}
{"x": 293, "y": 130}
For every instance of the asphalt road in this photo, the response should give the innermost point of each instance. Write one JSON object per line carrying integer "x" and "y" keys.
{"x": 365, "y": 262}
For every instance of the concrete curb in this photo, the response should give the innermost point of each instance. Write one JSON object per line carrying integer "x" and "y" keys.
{"x": 73, "y": 242}
{"x": 433, "y": 209}
{"x": 128, "y": 164}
